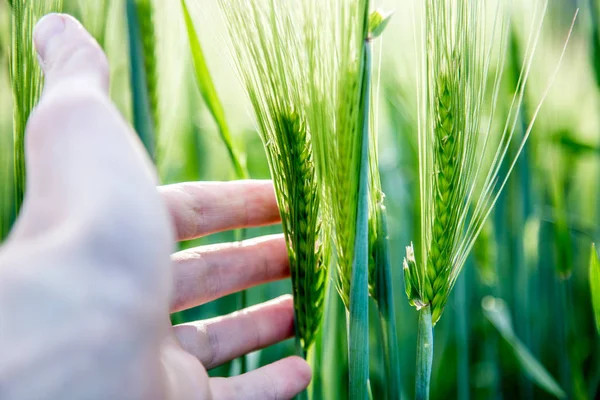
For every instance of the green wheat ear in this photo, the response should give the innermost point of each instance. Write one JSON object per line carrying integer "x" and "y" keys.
{"x": 448, "y": 156}
{"x": 334, "y": 104}
{"x": 459, "y": 158}
{"x": 298, "y": 193}
{"x": 267, "y": 53}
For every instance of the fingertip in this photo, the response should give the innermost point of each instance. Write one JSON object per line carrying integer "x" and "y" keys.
{"x": 299, "y": 376}
{"x": 303, "y": 370}
{"x": 46, "y": 29}
{"x": 285, "y": 302}
{"x": 67, "y": 52}
{"x": 284, "y": 299}
{"x": 283, "y": 379}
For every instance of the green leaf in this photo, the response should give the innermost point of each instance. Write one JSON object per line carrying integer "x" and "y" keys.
{"x": 142, "y": 114}
{"x": 334, "y": 354}
{"x": 378, "y": 21}
{"x": 209, "y": 93}
{"x": 595, "y": 284}
{"x": 497, "y": 313}
{"x": 385, "y": 303}
{"x": 358, "y": 317}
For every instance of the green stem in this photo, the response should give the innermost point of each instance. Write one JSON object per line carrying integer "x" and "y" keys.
{"x": 334, "y": 342}
{"x": 142, "y": 115}
{"x": 462, "y": 335}
{"x": 424, "y": 354}
{"x": 239, "y": 236}
{"x": 243, "y": 358}
{"x": 385, "y": 303}
{"x": 358, "y": 317}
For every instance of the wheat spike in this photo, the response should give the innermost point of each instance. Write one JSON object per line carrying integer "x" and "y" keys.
{"x": 459, "y": 157}
{"x": 267, "y": 51}
{"x": 337, "y": 28}
{"x": 448, "y": 155}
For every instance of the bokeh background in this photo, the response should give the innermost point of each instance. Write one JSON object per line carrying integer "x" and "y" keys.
{"x": 519, "y": 323}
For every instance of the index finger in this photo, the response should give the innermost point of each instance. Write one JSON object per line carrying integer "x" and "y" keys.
{"x": 201, "y": 208}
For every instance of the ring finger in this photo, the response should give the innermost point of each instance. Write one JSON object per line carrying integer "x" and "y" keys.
{"x": 218, "y": 340}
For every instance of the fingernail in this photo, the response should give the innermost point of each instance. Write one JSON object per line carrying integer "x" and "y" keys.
{"x": 48, "y": 27}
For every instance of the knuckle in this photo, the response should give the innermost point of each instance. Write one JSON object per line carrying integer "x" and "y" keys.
{"x": 212, "y": 282}
{"x": 213, "y": 346}
{"x": 271, "y": 388}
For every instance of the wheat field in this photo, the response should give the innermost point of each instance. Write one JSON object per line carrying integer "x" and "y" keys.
{"x": 436, "y": 164}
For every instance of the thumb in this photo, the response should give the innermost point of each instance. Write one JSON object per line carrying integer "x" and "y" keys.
{"x": 89, "y": 181}
{"x": 81, "y": 156}
{"x": 70, "y": 56}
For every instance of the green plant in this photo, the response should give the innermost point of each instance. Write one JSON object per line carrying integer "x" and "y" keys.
{"x": 540, "y": 339}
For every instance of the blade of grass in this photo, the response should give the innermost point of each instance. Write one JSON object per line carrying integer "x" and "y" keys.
{"x": 146, "y": 23}
{"x": 380, "y": 274}
{"x": 519, "y": 192}
{"x": 385, "y": 303}
{"x": 595, "y": 39}
{"x": 209, "y": 94}
{"x": 334, "y": 358}
{"x": 595, "y": 284}
{"x": 358, "y": 316}
{"x": 142, "y": 113}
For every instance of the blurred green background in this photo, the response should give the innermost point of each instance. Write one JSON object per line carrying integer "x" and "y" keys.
{"x": 533, "y": 253}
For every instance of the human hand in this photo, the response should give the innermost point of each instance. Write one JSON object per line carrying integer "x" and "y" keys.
{"x": 86, "y": 277}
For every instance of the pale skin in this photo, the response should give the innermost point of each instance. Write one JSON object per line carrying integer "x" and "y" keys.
{"x": 87, "y": 278}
